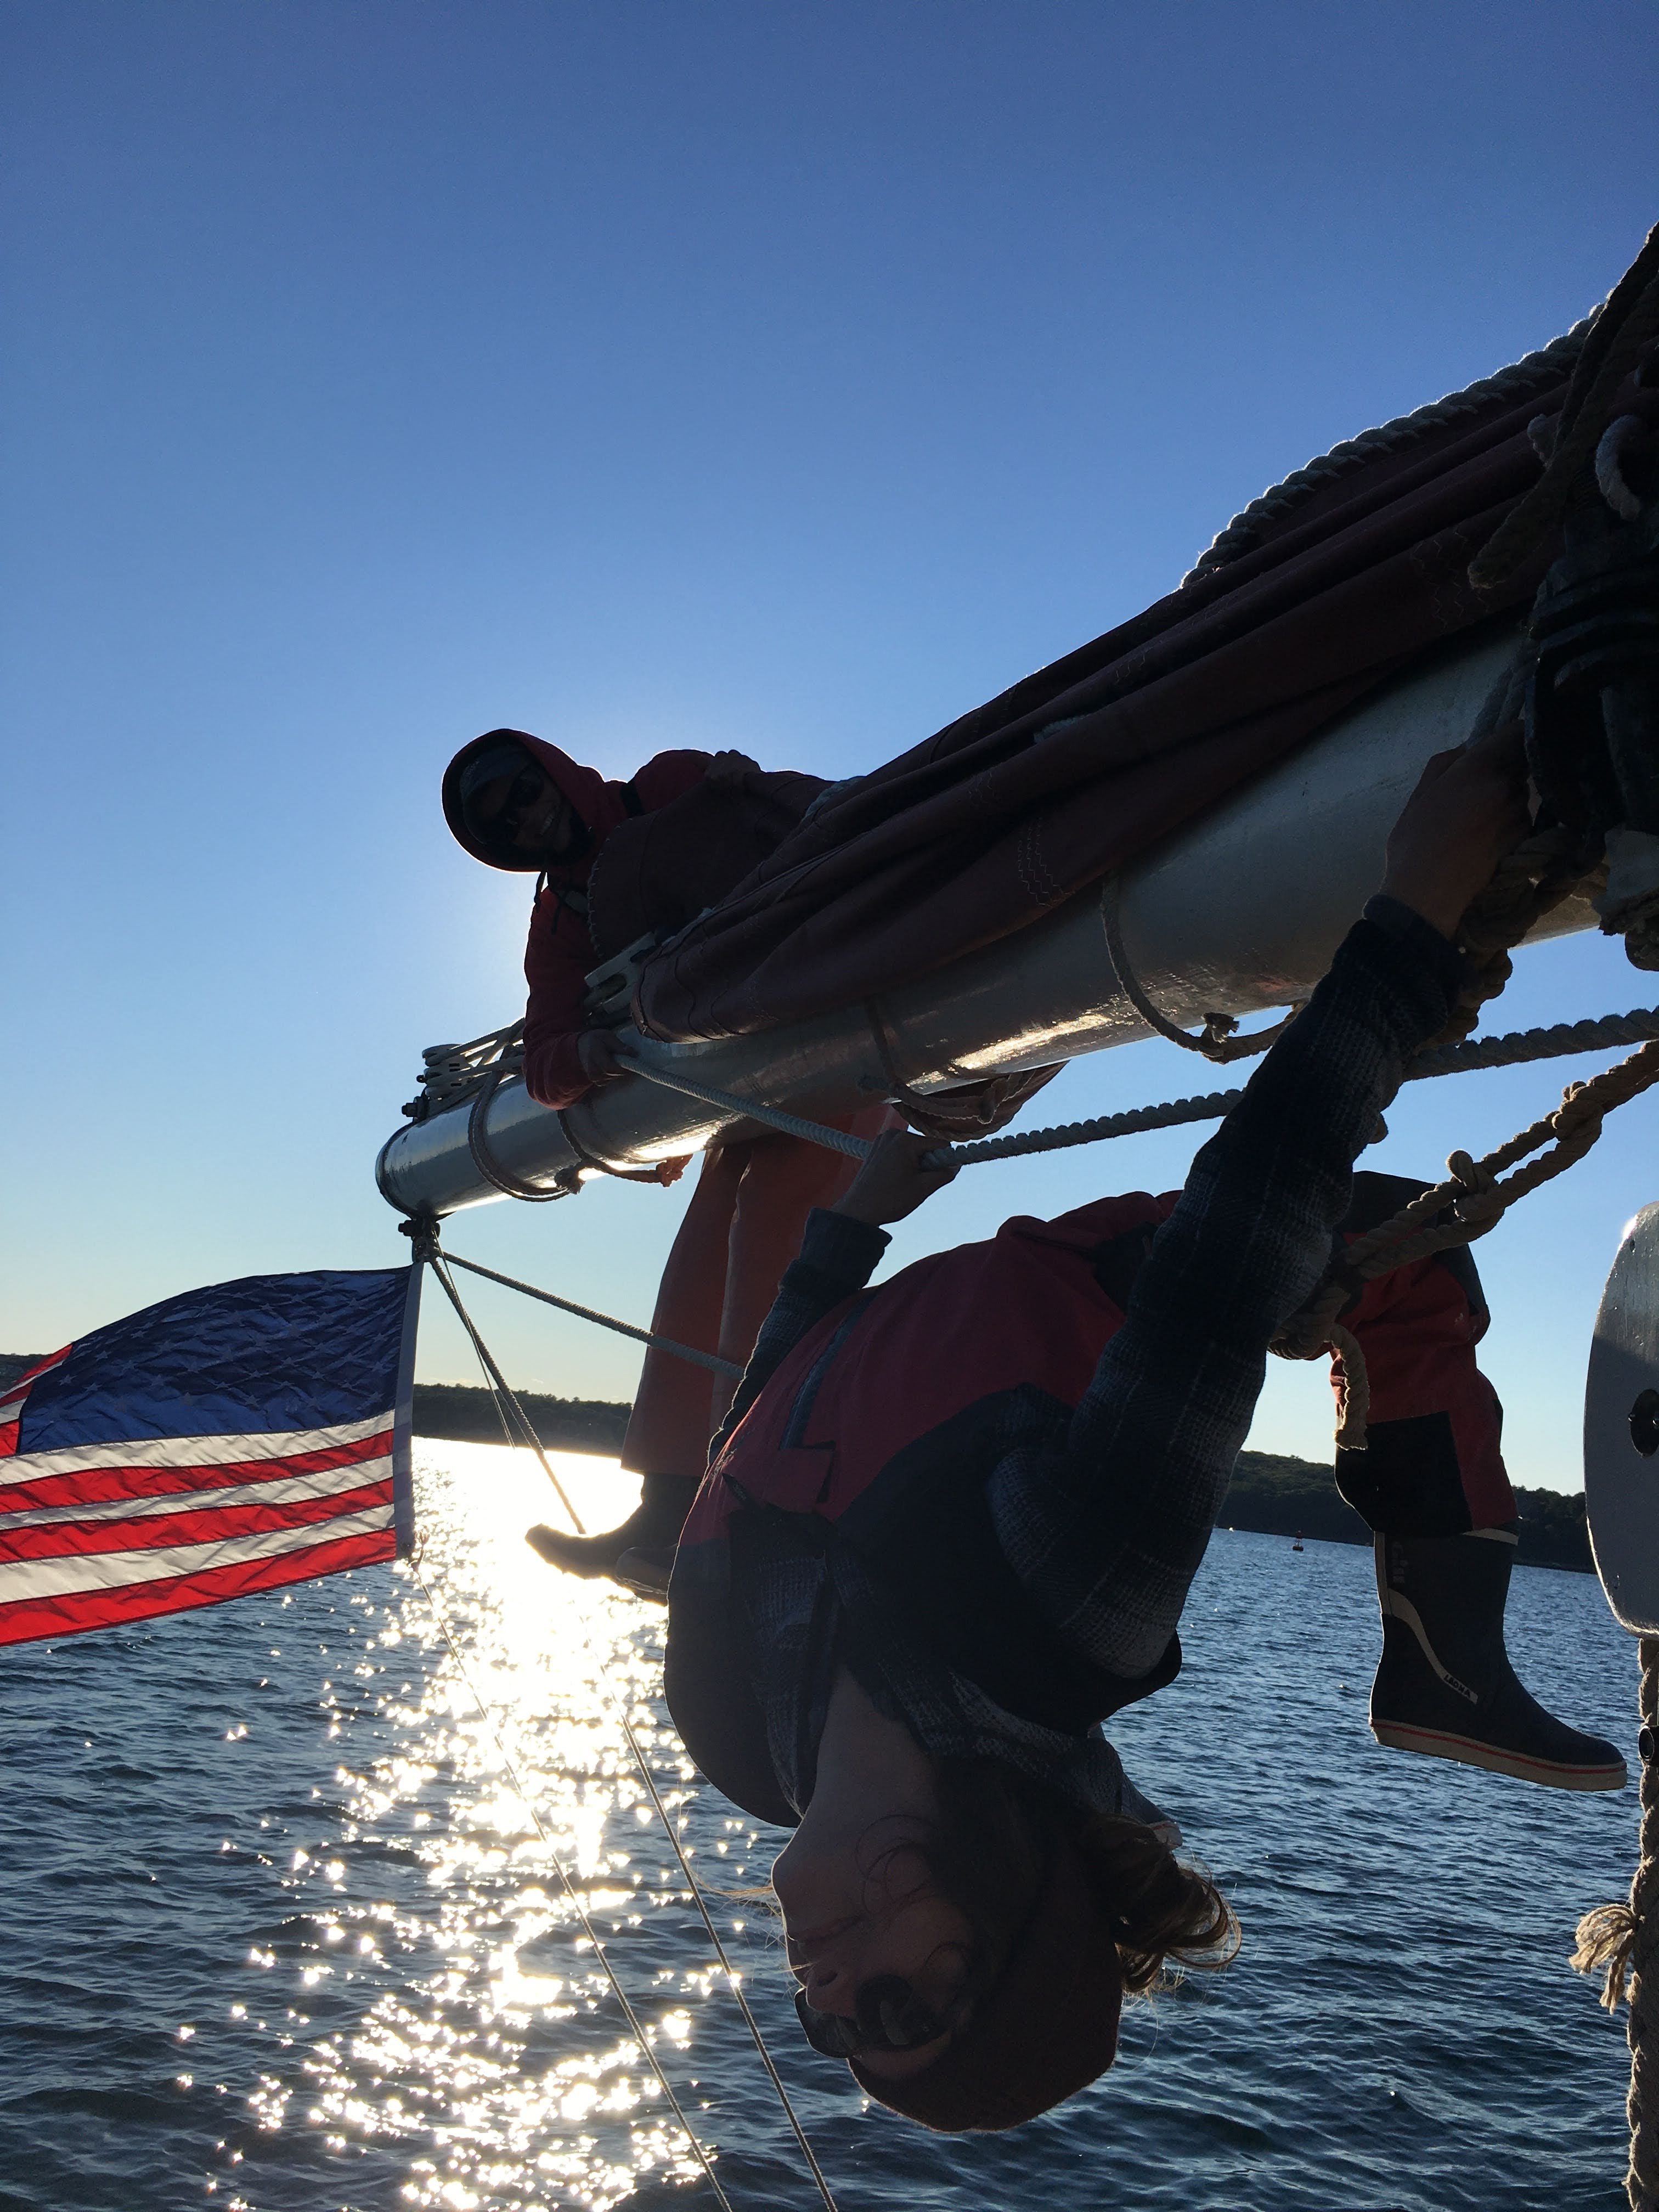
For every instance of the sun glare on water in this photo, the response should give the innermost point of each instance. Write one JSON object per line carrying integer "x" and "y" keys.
{"x": 507, "y": 2064}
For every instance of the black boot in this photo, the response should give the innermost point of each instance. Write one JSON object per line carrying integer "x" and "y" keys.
{"x": 653, "y": 1528}
{"x": 1445, "y": 1685}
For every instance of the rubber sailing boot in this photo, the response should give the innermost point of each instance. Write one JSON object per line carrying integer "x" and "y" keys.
{"x": 1445, "y": 1685}
{"x": 653, "y": 1527}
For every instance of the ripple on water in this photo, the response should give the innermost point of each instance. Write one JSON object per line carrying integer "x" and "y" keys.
{"x": 285, "y": 1936}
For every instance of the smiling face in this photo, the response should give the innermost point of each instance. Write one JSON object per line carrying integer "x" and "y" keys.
{"x": 858, "y": 1904}
{"x": 859, "y": 1901}
{"x": 529, "y": 811}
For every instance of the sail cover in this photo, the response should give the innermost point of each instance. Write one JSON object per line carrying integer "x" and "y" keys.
{"x": 1347, "y": 575}
{"x": 230, "y": 1440}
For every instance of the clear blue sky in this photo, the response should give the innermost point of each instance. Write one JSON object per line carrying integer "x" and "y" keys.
{"x": 778, "y": 376}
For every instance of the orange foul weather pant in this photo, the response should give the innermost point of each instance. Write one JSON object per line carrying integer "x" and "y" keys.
{"x": 742, "y": 1229}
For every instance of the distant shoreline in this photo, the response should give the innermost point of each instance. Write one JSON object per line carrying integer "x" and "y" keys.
{"x": 1271, "y": 1494}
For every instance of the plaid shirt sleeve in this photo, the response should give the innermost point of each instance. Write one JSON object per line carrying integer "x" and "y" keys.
{"x": 1108, "y": 1527}
{"x": 838, "y": 1255}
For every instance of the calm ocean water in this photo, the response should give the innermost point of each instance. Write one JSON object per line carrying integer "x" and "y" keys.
{"x": 280, "y": 1934}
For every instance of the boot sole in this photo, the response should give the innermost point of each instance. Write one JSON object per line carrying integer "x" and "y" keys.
{"x": 1469, "y": 1751}
{"x": 646, "y": 1576}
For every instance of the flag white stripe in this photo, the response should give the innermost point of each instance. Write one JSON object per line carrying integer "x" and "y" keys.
{"x": 281, "y": 1490}
{"x": 36, "y": 1579}
{"x": 188, "y": 1451}
{"x": 16, "y": 1394}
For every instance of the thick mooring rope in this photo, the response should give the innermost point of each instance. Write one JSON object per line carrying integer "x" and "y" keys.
{"x": 1621, "y": 1943}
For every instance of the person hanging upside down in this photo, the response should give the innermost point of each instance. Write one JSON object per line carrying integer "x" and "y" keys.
{"x": 950, "y": 1525}
{"x": 675, "y": 837}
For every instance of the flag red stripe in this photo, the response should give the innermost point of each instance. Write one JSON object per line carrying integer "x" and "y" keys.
{"x": 211, "y": 1524}
{"x": 31, "y": 1374}
{"x": 102, "y": 1485}
{"x": 27, "y": 1619}
{"x": 15, "y": 1394}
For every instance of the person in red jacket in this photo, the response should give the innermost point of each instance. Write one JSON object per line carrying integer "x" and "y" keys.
{"x": 517, "y": 803}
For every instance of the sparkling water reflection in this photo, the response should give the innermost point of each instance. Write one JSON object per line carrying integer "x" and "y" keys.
{"x": 284, "y": 1934}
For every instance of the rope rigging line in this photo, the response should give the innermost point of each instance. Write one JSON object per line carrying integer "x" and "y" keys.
{"x": 1469, "y": 1203}
{"x": 1513, "y": 1049}
{"x": 498, "y": 1383}
{"x": 646, "y": 2051}
{"x": 503, "y": 1391}
{"x": 1559, "y": 1040}
{"x": 734, "y": 1979}
{"x": 771, "y": 1117}
{"x": 1508, "y": 1050}
{"x": 1535, "y": 372}
{"x": 711, "y": 1360}
{"x": 1623, "y": 325}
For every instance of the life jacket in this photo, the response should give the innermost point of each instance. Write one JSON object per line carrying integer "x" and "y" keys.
{"x": 663, "y": 869}
{"x": 880, "y": 1429}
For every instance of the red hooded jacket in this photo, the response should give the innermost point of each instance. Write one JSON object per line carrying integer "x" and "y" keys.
{"x": 559, "y": 953}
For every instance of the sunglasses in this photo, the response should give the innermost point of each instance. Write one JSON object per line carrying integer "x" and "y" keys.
{"x": 888, "y": 2015}
{"x": 524, "y": 790}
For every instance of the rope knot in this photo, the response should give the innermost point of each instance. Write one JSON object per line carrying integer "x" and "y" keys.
{"x": 1607, "y": 1945}
{"x": 1479, "y": 1201}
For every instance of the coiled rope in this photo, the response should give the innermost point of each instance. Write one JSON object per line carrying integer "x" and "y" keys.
{"x": 507, "y": 1402}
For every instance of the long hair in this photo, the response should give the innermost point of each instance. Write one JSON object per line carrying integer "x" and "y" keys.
{"x": 989, "y": 1855}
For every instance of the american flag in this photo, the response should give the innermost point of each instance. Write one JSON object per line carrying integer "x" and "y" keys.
{"x": 230, "y": 1440}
